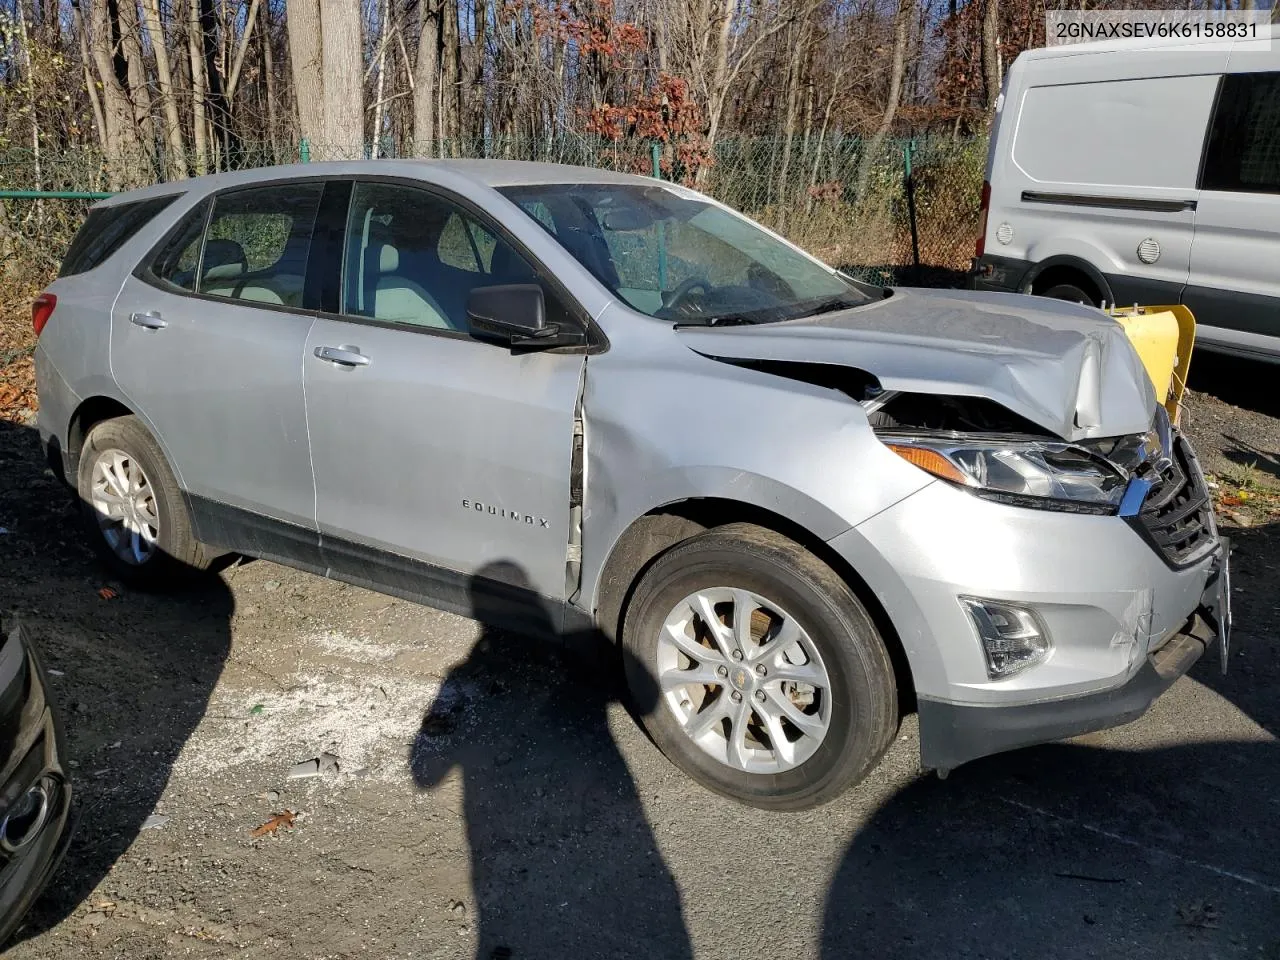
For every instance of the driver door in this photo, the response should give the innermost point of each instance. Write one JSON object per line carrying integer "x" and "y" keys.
{"x": 438, "y": 457}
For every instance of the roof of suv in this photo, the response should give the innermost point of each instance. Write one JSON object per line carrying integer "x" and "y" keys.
{"x": 491, "y": 173}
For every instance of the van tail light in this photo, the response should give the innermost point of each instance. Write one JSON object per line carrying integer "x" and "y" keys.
{"x": 980, "y": 247}
{"x": 42, "y": 310}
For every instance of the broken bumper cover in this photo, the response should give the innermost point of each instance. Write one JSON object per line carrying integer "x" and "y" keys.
{"x": 955, "y": 733}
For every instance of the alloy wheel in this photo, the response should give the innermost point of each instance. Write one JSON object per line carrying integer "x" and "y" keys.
{"x": 122, "y": 497}
{"x": 744, "y": 680}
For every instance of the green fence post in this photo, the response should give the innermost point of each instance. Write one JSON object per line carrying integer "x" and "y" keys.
{"x": 304, "y": 151}
{"x": 655, "y": 154}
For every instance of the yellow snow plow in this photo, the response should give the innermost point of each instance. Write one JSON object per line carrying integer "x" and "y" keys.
{"x": 1164, "y": 337}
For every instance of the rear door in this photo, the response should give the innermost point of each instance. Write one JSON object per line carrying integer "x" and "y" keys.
{"x": 437, "y": 456}
{"x": 207, "y": 340}
{"x": 1234, "y": 287}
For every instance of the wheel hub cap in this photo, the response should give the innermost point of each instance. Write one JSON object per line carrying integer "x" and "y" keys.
{"x": 744, "y": 680}
{"x": 122, "y": 497}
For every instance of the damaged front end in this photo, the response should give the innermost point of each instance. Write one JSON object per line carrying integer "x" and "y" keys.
{"x": 1025, "y": 612}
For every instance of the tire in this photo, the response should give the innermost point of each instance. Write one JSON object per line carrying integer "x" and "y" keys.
{"x": 858, "y": 701}
{"x": 170, "y": 551}
{"x": 1071, "y": 292}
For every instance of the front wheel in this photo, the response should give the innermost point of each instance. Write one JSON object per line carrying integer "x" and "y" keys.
{"x": 756, "y": 670}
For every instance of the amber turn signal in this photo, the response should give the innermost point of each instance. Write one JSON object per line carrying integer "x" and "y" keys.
{"x": 929, "y": 460}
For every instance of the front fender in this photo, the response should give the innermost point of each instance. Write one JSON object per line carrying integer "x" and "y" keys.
{"x": 664, "y": 425}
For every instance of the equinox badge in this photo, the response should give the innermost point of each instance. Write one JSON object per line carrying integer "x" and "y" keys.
{"x": 540, "y": 522}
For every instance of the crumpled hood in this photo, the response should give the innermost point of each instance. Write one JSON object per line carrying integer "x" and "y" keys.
{"x": 1068, "y": 368}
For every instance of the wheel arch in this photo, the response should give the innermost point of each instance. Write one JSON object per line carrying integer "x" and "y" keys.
{"x": 94, "y": 410}
{"x": 653, "y": 534}
{"x": 1067, "y": 268}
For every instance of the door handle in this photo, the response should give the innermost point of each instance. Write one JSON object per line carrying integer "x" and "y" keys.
{"x": 151, "y": 320}
{"x": 345, "y": 356}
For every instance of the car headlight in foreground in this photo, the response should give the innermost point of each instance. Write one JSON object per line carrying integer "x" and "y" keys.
{"x": 1031, "y": 473}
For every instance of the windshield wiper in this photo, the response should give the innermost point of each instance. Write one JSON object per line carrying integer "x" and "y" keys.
{"x": 730, "y": 320}
{"x": 831, "y": 306}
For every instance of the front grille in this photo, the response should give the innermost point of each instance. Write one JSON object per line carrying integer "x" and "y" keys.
{"x": 1177, "y": 516}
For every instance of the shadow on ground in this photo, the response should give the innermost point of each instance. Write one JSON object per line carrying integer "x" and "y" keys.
{"x": 135, "y": 671}
{"x": 1242, "y": 383}
{"x": 563, "y": 860}
{"x": 1070, "y": 850}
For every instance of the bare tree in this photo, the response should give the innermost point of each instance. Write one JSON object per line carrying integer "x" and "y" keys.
{"x": 991, "y": 52}
{"x": 897, "y": 69}
{"x": 175, "y": 154}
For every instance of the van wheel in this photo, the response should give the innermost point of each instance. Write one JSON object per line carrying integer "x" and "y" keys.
{"x": 756, "y": 670}
{"x": 132, "y": 506}
{"x": 1069, "y": 291}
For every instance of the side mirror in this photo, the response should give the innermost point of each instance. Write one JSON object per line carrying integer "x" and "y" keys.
{"x": 513, "y": 313}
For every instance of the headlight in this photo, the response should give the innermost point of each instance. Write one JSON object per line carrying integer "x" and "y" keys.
{"x": 1031, "y": 473}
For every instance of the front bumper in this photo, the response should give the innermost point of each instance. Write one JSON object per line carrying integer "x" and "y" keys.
{"x": 1120, "y": 616}
{"x": 997, "y": 274}
{"x": 34, "y": 753}
{"x": 955, "y": 733}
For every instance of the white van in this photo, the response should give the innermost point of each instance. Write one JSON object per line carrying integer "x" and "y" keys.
{"x": 1122, "y": 174}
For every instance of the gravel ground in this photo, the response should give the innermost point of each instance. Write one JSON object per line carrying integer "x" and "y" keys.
{"x": 494, "y": 799}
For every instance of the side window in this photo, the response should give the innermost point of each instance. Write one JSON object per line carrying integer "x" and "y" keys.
{"x": 106, "y": 229}
{"x": 257, "y": 242}
{"x": 1243, "y": 154}
{"x": 179, "y": 257}
{"x": 413, "y": 258}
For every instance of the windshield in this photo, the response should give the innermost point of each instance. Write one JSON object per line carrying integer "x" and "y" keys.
{"x": 674, "y": 255}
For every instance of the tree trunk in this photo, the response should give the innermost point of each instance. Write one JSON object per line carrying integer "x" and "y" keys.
{"x": 237, "y": 63}
{"x": 384, "y": 40}
{"x": 991, "y": 52}
{"x": 136, "y": 73}
{"x": 789, "y": 122}
{"x": 477, "y": 91}
{"x": 451, "y": 96}
{"x": 86, "y": 62}
{"x": 342, "y": 51}
{"x": 303, "y": 23}
{"x": 121, "y": 134}
{"x": 267, "y": 38}
{"x": 199, "y": 113}
{"x": 219, "y": 116}
{"x": 718, "y": 84}
{"x": 897, "y": 69}
{"x": 175, "y": 153}
{"x": 426, "y": 87}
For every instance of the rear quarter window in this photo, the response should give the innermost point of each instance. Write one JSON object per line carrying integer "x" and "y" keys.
{"x": 1139, "y": 133}
{"x": 106, "y": 229}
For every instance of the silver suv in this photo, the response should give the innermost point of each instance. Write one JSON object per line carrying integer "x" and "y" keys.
{"x": 802, "y": 504}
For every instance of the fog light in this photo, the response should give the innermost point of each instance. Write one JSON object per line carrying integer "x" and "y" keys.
{"x": 1013, "y": 637}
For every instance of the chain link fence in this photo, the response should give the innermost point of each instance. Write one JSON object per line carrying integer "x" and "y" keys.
{"x": 901, "y": 211}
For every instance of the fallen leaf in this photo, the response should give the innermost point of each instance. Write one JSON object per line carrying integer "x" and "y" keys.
{"x": 275, "y": 823}
{"x": 106, "y": 593}
{"x": 256, "y": 709}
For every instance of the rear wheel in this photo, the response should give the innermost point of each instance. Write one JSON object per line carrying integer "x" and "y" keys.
{"x": 756, "y": 670}
{"x": 132, "y": 505}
